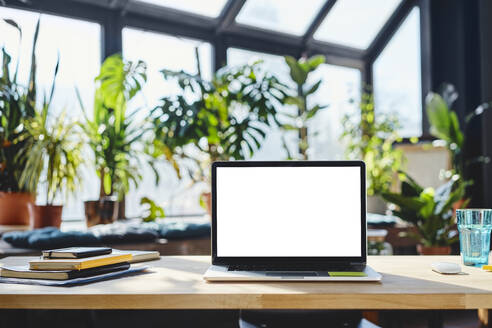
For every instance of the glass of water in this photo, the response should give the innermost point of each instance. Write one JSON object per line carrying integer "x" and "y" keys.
{"x": 474, "y": 226}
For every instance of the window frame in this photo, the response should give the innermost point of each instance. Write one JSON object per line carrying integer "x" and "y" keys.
{"x": 223, "y": 32}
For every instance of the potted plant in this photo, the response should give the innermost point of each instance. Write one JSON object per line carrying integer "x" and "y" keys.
{"x": 17, "y": 103}
{"x": 114, "y": 136}
{"x": 300, "y": 71}
{"x": 228, "y": 118}
{"x": 372, "y": 139}
{"x": 445, "y": 126}
{"x": 430, "y": 211}
{"x": 53, "y": 153}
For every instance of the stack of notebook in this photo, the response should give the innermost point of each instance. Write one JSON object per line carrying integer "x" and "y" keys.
{"x": 76, "y": 265}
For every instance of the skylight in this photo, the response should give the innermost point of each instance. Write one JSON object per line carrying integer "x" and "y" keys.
{"x": 355, "y": 23}
{"x": 287, "y": 16}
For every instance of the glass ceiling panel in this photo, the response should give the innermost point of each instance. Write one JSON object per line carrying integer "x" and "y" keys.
{"x": 401, "y": 94}
{"x": 287, "y": 16}
{"x": 355, "y": 23}
{"x": 210, "y": 8}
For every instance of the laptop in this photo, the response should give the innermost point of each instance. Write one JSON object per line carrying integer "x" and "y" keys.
{"x": 289, "y": 221}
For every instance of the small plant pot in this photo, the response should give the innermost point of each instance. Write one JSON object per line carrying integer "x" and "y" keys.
{"x": 433, "y": 250}
{"x": 16, "y": 208}
{"x": 101, "y": 211}
{"x": 47, "y": 216}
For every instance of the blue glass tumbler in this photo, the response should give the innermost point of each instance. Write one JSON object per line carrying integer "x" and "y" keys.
{"x": 474, "y": 226}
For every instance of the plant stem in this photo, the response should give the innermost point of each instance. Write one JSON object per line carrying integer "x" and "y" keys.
{"x": 303, "y": 130}
{"x": 102, "y": 193}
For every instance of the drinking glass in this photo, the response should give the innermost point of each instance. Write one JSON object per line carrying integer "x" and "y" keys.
{"x": 474, "y": 226}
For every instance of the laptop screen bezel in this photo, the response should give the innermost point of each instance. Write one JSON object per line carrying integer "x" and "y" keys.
{"x": 308, "y": 262}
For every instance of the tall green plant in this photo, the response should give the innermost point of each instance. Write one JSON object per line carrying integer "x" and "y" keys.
{"x": 227, "y": 117}
{"x": 113, "y": 133}
{"x": 372, "y": 140}
{"x": 445, "y": 126}
{"x": 299, "y": 73}
{"x": 17, "y": 103}
{"x": 431, "y": 211}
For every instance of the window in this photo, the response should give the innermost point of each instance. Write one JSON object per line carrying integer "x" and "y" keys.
{"x": 355, "y": 23}
{"x": 272, "y": 148}
{"x": 161, "y": 51}
{"x": 78, "y": 45}
{"x": 288, "y": 16}
{"x": 401, "y": 92}
{"x": 210, "y": 8}
{"x": 349, "y": 23}
{"x": 340, "y": 85}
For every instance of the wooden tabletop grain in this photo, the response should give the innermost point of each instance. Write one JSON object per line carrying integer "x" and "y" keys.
{"x": 176, "y": 282}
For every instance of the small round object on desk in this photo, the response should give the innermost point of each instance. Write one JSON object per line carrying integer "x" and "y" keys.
{"x": 446, "y": 267}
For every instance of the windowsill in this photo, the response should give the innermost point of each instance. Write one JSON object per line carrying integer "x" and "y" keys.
{"x": 80, "y": 223}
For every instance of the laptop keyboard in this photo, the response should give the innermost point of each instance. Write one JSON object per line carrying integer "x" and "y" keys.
{"x": 267, "y": 267}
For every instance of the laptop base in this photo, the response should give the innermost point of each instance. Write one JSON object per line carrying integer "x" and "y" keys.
{"x": 222, "y": 273}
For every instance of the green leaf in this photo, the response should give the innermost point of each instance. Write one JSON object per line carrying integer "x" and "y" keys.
{"x": 412, "y": 203}
{"x": 413, "y": 184}
{"x": 296, "y": 101}
{"x": 107, "y": 183}
{"x": 408, "y": 190}
{"x": 313, "y": 111}
{"x": 456, "y": 135}
{"x": 297, "y": 74}
{"x": 14, "y": 24}
{"x": 313, "y": 88}
{"x": 289, "y": 127}
{"x": 315, "y": 61}
{"x": 154, "y": 211}
{"x": 438, "y": 115}
{"x": 31, "y": 89}
{"x": 427, "y": 197}
{"x": 53, "y": 83}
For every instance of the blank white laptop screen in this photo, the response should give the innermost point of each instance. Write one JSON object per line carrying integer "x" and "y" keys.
{"x": 288, "y": 211}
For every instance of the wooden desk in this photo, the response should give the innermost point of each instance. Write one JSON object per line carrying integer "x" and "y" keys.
{"x": 176, "y": 283}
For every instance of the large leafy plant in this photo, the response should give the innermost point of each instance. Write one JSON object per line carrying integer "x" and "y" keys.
{"x": 372, "y": 140}
{"x": 225, "y": 118}
{"x": 432, "y": 211}
{"x": 429, "y": 210}
{"x": 113, "y": 133}
{"x": 300, "y": 71}
{"x": 445, "y": 126}
{"x": 17, "y": 103}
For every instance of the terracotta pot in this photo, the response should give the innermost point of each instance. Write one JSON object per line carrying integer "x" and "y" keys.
{"x": 433, "y": 250}
{"x": 47, "y": 216}
{"x": 16, "y": 208}
{"x": 101, "y": 211}
{"x": 207, "y": 199}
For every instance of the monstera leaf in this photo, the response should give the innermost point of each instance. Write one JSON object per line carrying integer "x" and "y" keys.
{"x": 226, "y": 118}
